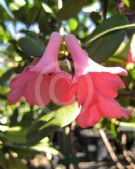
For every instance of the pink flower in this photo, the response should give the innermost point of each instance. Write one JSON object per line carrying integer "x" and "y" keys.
{"x": 34, "y": 82}
{"x": 96, "y": 87}
{"x": 131, "y": 56}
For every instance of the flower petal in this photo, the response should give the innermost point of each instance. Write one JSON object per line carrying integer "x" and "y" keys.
{"x": 78, "y": 55}
{"x": 15, "y": 95}
{"x": 83, "y": 64}
{"x": 49, "y": 60}
{"x": 60, "y": 85}
{"x": 21, "y": 79}
{"x": 111, "y": 108}
{"x": 85, "y": 90}
{"x": 95, "y": 67}
{"x": 18, "y": 84}
{"x": 37, "y": 90}
{"x": 107, "y": 84}
{"x": 44, "y": 91}
{"x": 89, "y": 117}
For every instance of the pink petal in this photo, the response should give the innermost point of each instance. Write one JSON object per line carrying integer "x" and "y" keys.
{"x": 44, "y": 90}
{"x": 21, "y": 79}
{"x": 71, "y": 93}
{"x": 60, "y": 85}
{"x": 83, "y": 64}
{"x": 37, "y": 90}
{"x": 15, "y": 95}
{"x": 111, "y": 108}
{"x": 78, "y": 54}
{"x": 131, "y": 56}
{"x": 89, "y": 117}
{"x": 85, "y": 90}
{"x": 127, "y": 112}
{"x": 107, "y": 84}
{"x": 18, "y": 85}
{"x": 49, "y": 60}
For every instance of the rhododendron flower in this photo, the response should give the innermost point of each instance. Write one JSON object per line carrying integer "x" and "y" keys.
{"x": 96, "y": 87}
{"x": 34, "y": 82}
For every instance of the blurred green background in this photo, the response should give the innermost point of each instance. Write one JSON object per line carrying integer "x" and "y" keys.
{"x": 44, "y": 137}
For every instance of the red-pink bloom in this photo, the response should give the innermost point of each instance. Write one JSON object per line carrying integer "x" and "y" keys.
{"x": 34, "y": 82}
{"x": 96, "y": 87}
{"x": 131, "y": 56}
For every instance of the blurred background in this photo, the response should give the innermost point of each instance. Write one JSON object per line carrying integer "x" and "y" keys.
{"x": 28, "y": 140}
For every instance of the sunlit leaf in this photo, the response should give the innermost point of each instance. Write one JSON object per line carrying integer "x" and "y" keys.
{"x": 15, "y": 135}
{"x": 51, "y": 122}
{"x": 73, "y": 24}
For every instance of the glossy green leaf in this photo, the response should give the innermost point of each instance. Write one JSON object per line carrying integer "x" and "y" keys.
{"x": 71, "y": 8}
{"x": 103, "y": 47}
{"x": 15, "y": 135}
{"x": 31, "y": 46}
{"x": 73, "y": 24}
{"x": 51, "y": 122}
{"x": 115, "y": 23}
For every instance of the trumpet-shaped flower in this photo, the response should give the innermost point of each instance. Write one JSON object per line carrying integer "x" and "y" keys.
{"x": 96, "y": 87}
{"x": 34, "y": 82}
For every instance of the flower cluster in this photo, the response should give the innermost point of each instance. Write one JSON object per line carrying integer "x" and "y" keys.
{"x": 94, "y": 86}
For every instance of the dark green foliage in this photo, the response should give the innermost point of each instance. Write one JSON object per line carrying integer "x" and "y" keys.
{"x": 25, "y": 27}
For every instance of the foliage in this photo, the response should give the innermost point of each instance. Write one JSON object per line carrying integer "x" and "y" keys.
{"x": 25, "y": 27}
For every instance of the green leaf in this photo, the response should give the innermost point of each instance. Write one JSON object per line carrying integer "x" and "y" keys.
{"x": 31, "y": 46}
{"x": 104, "y": 47}
{"x": 15, "y": 135}
{"x": 51, "y": 122}
{"x": 71, "y": 8}
{"x": 124, "y": 126}
{"x": 127, "y": 3}
{"x": 101, "y": 47}
{"x": 122, "y": 51}
{"x": 73, "y": 24}
{"x": 47, "y": 8}
{"x": 96, "y": 18}
{"x": 115, "y": 23}
{"x": 44, "y": 146}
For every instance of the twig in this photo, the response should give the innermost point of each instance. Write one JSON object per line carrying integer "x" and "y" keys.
{"x": 129, "y": 160}
{"x": 125, "y": 152}
{"x": 110, "y": 150}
